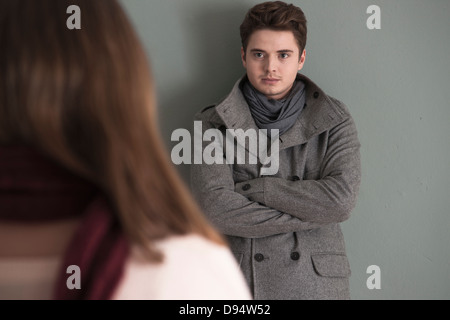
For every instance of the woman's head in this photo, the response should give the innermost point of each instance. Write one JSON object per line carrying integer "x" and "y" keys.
{"x": 72, "y": 90}
{"x": 85, "y": 97}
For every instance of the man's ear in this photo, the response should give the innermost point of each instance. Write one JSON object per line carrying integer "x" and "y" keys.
{"x": 301, "y": 62}
{"x": 244, "y": 63}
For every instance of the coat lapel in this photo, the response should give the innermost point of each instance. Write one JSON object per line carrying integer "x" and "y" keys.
{"x": 319, "y": 115}
{"x": 234, "y": 110}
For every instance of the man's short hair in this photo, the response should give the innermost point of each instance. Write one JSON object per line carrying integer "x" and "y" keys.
{"x": 274, "y": 15}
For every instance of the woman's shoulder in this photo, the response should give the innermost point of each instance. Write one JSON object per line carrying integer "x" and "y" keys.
{"x": 193, "y": 268}
{"x": 191, "y": 244}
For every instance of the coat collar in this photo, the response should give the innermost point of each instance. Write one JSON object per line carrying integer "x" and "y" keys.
{"x": 319, "y": 115}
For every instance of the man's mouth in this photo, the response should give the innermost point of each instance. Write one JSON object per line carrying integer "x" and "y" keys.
{"x": 270, "y": 80}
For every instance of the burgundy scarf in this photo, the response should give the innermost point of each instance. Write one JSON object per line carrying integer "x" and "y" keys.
{"x": 34, "y": 189}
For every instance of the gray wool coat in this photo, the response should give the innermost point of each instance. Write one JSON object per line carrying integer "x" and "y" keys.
{"x": 284, "y": 228}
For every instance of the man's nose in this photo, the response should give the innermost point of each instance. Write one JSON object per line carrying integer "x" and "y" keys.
{"x": 271, "y": 64}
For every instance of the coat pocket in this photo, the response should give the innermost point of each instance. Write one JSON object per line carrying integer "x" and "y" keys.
{"x": 333, "y": 265}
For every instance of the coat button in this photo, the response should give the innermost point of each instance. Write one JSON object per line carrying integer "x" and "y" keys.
{"x": 259, "y": 257}
{"x": 295, "y": 255}
{"x": 316, "y": 95}
{"x": 295, "y": 178}
{"x": 246, "y": 187}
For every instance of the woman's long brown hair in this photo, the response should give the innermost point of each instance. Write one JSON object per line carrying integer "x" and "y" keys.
{"x": 85, "y": 97}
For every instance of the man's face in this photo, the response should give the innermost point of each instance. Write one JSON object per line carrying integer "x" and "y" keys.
{"x": 272, "y": 61}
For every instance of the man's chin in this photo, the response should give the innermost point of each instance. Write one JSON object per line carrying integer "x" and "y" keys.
{"x": 274, "y": 95}
{"x": 268, "y": 91}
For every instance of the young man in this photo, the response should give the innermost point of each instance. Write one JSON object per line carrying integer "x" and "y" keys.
{"x": 283, "y": 227}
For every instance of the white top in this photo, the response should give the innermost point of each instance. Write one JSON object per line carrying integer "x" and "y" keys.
{"x": 193, "y": 269}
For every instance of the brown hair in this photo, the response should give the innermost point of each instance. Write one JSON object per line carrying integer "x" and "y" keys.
{"x": 85, "y": 98}
{"x": 274, "y": 15}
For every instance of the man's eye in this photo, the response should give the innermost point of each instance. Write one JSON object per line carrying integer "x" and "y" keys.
{"x": 258, "y": 55}
{"x": 284, "y": 56}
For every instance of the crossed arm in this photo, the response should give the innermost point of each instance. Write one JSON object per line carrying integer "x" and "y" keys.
{"x": 274, "y": 205}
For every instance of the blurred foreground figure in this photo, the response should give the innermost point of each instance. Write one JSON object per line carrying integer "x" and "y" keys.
{"x": 90, "y": 207}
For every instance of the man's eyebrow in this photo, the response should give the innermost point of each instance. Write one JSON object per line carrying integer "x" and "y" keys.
{"x": 279, "y": 51}
{"x": 257, "y": 50}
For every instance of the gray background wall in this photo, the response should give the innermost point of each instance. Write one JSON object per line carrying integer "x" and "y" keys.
{"x": 396, "y": 83}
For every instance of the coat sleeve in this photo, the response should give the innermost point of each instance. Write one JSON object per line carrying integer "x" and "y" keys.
{"x": 232, "y": 213}
{"x": 327, "y": 200}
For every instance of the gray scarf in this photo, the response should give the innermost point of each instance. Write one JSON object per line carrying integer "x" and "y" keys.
{"x": 275, "y": 114}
